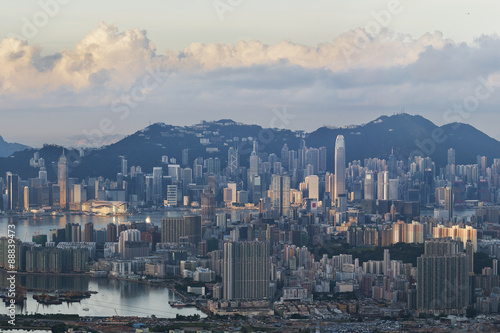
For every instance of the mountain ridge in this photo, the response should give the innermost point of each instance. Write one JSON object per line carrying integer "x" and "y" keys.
{"x": 8, "y": 148}
{"x": 407, "y": 134}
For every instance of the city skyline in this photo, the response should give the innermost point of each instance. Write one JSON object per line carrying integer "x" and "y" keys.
{"x": 234, "y": 165}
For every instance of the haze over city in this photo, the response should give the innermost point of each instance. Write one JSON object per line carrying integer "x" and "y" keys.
{"x": 249, "y": 166}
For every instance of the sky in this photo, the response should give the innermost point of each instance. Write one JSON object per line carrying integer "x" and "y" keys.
{"x": 71, "y": 70}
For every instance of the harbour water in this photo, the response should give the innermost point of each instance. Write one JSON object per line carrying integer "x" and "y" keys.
{"x": 113, "y": 297}
{"x": 27, "y": 228}
{"x": 124, "y": 298}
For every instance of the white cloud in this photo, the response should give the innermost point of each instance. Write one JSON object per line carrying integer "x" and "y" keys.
{"x": 208, "y": 81}
{"x": 109, "y": 59}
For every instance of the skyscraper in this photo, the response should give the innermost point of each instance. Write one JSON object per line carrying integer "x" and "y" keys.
{"x": 246, "y": 270}
{"x": 131, "y": 235}
{"x": 448, "y": 201}
{"x": 285, "y": 157}
{"x": 185, "y": 157}
{"x": 124, "y": 166}
{"x": 369, "y": 185}
{"x": 157, "y": 184}
{"x": 254, "y": 163}
{"x": 233, "y": 160}
{"x": 387, "y": 261}
{"x": 281, "y": 194}
{"x": 451, "y": 156}
{"x": 443, "y": 278}
{"x": 312, "y": 183}
{"x": 340, "y": 193}
{"x": 112, "y": 232}
{"x": 63, "y": 181}
{"x": 13, "y": 191}
{"x": 89, "y": 232}
{"x": 173, "y": 229}
{"x": 392, "y": 165}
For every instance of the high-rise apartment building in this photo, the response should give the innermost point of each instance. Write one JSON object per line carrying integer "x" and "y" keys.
{"x": 443, "y": 278}
{"x": 246, "y": 270}
{"x": 280, "y": 186}
{"x": 187, "y": 227}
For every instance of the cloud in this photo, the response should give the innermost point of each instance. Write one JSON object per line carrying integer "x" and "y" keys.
{"x": 109, "y": 59}
{"x": 353, "y": 73}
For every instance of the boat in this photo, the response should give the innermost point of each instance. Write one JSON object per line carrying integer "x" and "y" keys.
{"x": 47, "y": 299}
{"x": 177, "y": 304}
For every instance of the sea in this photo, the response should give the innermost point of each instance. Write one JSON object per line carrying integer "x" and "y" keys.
{"x": 114, "y": 297}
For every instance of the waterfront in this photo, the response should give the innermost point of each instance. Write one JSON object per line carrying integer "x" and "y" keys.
{"x": 127, "y": 298}
{"x": 27, "y": 228}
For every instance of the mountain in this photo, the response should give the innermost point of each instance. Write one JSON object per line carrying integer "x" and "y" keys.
{"x": 408, "y": 135}
{"x": 6, "y": 148}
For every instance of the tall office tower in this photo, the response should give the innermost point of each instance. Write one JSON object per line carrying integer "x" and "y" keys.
{"x": 174, "y": 171}
{"x": 246, "y": 270}
{"x": 192, "y": 229}
{"x": 131, "y": 235}
{"x": 42, "y": 174}
{"x": 301, "y": 154}
{"x": 187, "y": 227}
{"x": 185, "y": 157}
{"x": 234, "y": 191}
{"x": 443, "y": 279}
{"x": 76, "y": 233}
{"x": 322, "y": 159}
{"x": 187, "y": 178}
{"x": 285, "y": 157}
{"x": 124, "y": 166}
{"x": 233, "y": 161}
{"x": 387, "y": 261}
{"x": 112, "y": 233}
{"x": 383, "y": 185}
{"x": 63, "y": 181}
{"x": 451, "y": 156}
{"x": 171, "y": 195}
{"x": 448, "y": 202}
{"x": 393, "y": 189}
{"x": 26, "y": 195}
{"x": 495, "y": 267}
{"x": 149, "y": 188}
{"x": 312, "y": 183}
{"x": 157, "y": 184}
{"x": 340, "y": 198}
{"x": 171, "y": 229}
{"x": 392, "y": 165}
{"x": 312, "y": 158}
{"x": 254, "y": 164}
{"x": 280, "y": 186}
{"x": 208, "y": 201}
{"x": 330, "y": 183}
{"x": 89, "y": 232}
{"x": 483, "y": 165}
{"x": 369, "y": 185}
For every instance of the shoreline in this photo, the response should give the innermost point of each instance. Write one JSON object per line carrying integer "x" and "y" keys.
{"x": 166, "y": 285}
{"x": 46, "y": 274}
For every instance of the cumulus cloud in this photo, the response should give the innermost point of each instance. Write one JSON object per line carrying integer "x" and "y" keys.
{"x": 353, "y": 72}
{"x": 111, "y": 59}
